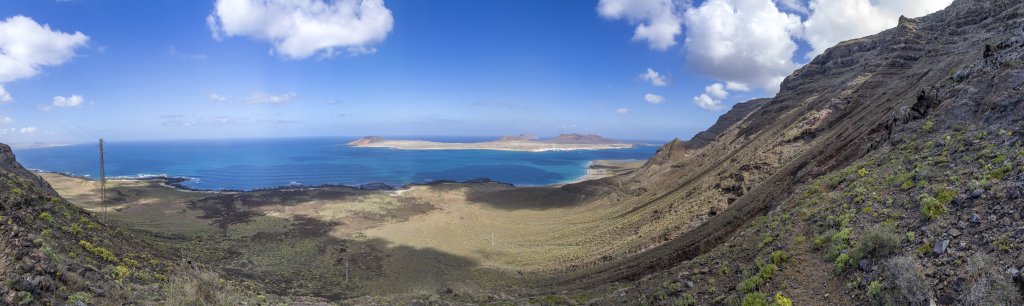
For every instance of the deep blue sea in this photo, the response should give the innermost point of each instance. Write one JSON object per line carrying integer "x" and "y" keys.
{"x": 246, "y": 164}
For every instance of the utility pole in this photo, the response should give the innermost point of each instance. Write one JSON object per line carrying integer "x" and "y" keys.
{"x": 103, "y": 180}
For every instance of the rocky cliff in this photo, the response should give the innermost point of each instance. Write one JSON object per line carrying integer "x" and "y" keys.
{"x": 870, "y": 163}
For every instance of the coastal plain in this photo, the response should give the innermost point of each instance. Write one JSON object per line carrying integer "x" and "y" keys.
{"x": 420, "y": 239}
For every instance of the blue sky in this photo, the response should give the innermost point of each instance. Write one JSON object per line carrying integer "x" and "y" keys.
{"x": 155, "y": 70}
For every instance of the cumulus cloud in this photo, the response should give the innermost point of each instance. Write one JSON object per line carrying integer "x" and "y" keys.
{"x": 622, "y": 110}
{"x": 834, "y": 21}
{"x": 6, "y": 120}
{"x": 27, "y": 46}
{"x": 708, "y": 103}
{"x": 299, "y": 29}
{"x": 751, "y": 44}
{"x": 654, "y": 99}
{"x": 748, "y": 42}
{"x": 217, "y": 98}
{"x": 264, "y": 98}
{"x": 27, "y": 130}
{"x": 72, "y": 101}
{"x": 717, "y": 91}
{"x": 713, "y": 96}
{"x": 657, "y": 21}
{"x": 4, "y": 96}
{"x": 654, "y": 77}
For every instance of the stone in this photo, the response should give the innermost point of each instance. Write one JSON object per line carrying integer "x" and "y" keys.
{"x": 80, "y": 303}
{"x": 1012, "y": 271}
{"x": 864, "y": 265}
{"x": 954, "y": 232}
{"x": 941, "y": 247}
{"x": 975, "y": 219}
{"x": 977, "y": 193}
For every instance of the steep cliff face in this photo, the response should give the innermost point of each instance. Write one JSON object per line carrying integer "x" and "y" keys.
{"x": 960, "y": 66}
{"x": 10, "y": 165}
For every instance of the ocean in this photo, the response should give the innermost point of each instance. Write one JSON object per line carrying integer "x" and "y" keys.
{"x": 247, "y": 164}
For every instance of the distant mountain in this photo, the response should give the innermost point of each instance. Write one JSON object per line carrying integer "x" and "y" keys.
{"x": 582, "y": 139}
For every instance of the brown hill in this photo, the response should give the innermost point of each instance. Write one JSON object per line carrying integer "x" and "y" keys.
{"x": 365, "y": 141}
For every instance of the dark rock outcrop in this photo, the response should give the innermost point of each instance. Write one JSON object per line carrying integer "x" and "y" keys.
{"x": 9, "y": 164}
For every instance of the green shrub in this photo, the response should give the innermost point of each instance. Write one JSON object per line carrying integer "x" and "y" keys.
{"x": 98, "y": 251}
{"x": 862, "y": 172}
{"x": 755, "y": 299}
{"x": 842, "y": 261}
{"x": 77, "y": 229}
{"x": 779, "y": 257}
{"x": 781, "y": 300}
{"x": 928, "y": 125}
{"x": 45, "y": 216}
{"x": 875, "y": 293}
{"x": 876, "y": 242}
{"x": 931, "y": 207}
{"x": 120, "y": 273}
{"x": 83, "y": 297}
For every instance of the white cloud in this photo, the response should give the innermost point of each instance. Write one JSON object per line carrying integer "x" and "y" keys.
{"x": 26, "y": 47}
{"x": 264, "y": 98}
{"x": 4, "y": 96}
{"x": 217, "y": 98}
{"x": 751, "y": 44}
{"x": 622, "y": 110}
{"x": 717, "y": 91}
{"x": 657, "y": 21}
{"x": 6, "y": 120}
{"x": 834, "y": 21}
{"x": 707, "y": 103}
{"x": 736, "y": 86}
{"x": 713, "y": 95}
{"x": 654, "y": 77}
{"x": 27, "y": 130}
{"x": 72, "y": 101}
{"x": 654, "y": 99}
{"x": 746, "y": 42}
{"x": 301, "y": 28}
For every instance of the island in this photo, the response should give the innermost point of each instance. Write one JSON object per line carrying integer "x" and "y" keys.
{"x": 524, "y": 143}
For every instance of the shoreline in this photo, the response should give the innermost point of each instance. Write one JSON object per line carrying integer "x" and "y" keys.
{"x": 516, "y": 146}
{"x": 595, "y": 169}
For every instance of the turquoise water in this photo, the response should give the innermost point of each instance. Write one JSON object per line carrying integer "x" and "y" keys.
{"x": 248, "y": 164}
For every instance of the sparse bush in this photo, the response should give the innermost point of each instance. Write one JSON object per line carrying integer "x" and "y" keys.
{"x": 905, "y": 283}
{"x": 781, "y": 300}
{"x": 877, "y": 242}
{"x": 928, "y": 125}
{"x": 862, "y": 172}
{"x": 987, "y": 286}
{"x": 98, "y": 251}
{"x": 45, "y": 216}
{"x": 755, "y": 299}
{"x": 779, "y": 257}
{"x": 76, "y": 229}
{"x": 83, "y": 297}
{"x": 1003, "y": 244}
{"x": 842, "y": 261}
{"x": 931, "y": 207}
{"x": 193, "y": 286}
{"x": 685, "y": 300}
{"x": 875, "y": 293}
